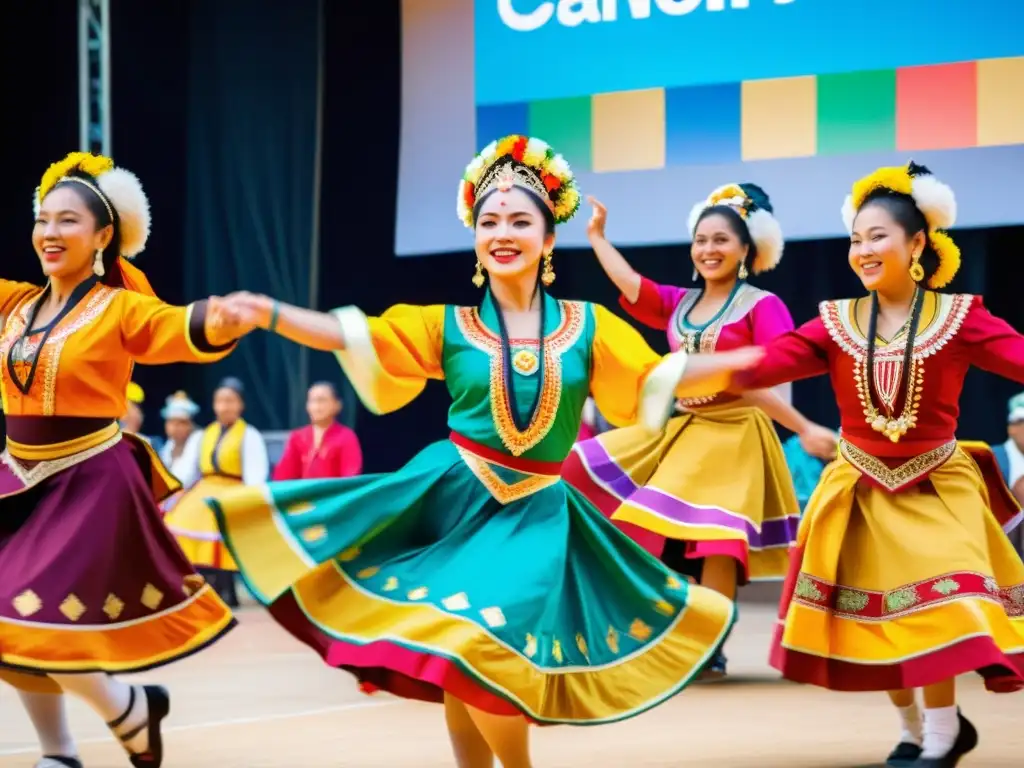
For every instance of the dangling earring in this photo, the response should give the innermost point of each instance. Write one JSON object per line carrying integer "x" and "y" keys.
{"x": 548, "y": 275}
{"x": 97, "y": 264}
{"x": 696, "y": 274}
{"x": 742, "y": 273}
{"x": 478, "y": 276}
{"x": 916, "y": 270}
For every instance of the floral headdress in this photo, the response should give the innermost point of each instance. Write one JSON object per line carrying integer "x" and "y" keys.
{"x": 753, "y": 206}
{"x": 519, "y": 161}
{"x": 120, "y": 191}
{"x": 934, "y": 199}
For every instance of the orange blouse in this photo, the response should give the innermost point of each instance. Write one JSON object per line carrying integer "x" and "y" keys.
{"x": 86, "y": 361}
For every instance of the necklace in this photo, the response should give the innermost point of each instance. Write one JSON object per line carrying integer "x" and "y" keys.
{"x": 523, "y": 361}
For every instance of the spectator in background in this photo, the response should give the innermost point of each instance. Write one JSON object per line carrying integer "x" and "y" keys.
{"x": 180, "y": 450}
{"x": 324, "y": 448}
{"x": 1010, "y": 457}
{"x": 133, "y": 417}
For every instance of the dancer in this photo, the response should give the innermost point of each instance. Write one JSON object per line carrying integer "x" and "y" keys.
{"x": 474, "y": 575}
{"x": 727, "y": 527}
{"x": 902, "y": 577}
{"x": 231, "y": 453}
{"x": 90, "y": 581}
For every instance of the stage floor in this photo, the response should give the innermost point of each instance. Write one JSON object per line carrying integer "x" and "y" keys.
{"x": 259, "y": 700}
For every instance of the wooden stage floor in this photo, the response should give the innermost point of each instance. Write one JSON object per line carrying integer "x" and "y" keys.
{"x": 259, "y": 700}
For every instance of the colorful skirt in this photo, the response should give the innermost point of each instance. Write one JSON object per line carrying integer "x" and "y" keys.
{"x": 476, "y": 574}
{"x": 716, "y": 479}
{"x": 194, "y": 526}
{"x": 90, "y": 580}
{"x": 901, "y": 590}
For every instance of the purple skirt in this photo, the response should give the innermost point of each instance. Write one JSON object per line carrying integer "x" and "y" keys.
{"x": 90, "y": 579}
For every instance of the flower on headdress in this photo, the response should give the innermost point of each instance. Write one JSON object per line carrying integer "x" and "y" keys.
{"x": 896, "y": 179}
{"x": 536, "y": 152}
{"x": 94, "y": 165}
{"x": 949, "y": 259}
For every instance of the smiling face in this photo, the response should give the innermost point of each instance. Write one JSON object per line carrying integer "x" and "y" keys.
{"x": 881, "y": 250}
{"x": 66, "y": 236}
{"x": 511, "y": 234}
{"x": 717, "y": 249}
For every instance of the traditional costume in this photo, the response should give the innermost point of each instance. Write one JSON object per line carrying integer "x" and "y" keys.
{"x": 475, "y": 570}
{"x": 90, "y": 580}
{"x": 181, "y": 459}
{"x": 671, "y": 484}
{"x": 337, "y": 454}
{"x": 902, "y": 576}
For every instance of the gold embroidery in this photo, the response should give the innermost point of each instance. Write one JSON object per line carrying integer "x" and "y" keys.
{"x": 299, "y": 508}
{"x": 893, "y": 479}
{"x": 113, "y": 606}
{"x": 72, "y": 607}
{"x": 946, "y": 586}
{"x": 30, "y": 476}
{"x": 503, "y": 492}
{"x": 368, "y": 573}
{"x": 556, "y": 650}
{"x": 581, "y": 643}
{"x": 192, "y": 583}
{"x": 525, "y": 362}
{"x": 806, "y": 588}
{"x": 314, "y": 534}
{"x": 665, "y": 608}
{"x": 530, "y": 649}
{"x": 494, "y": 617}
{"x": 27, "y": 603}
{"x": 417, "y": 594}
{"x": 555, "y": 344}
{"x": 673, "y": 583}
{"x": 390, "y": 585}
{"x": 851, "y": 601}
{"x": 639, "y": 631}
{"x": 152, "y": 597}
{"x": 612, "y": 639}
{"x": 349, "y": 554}
{"x": 457, "y": 602}
{"x": 901, "y": 599}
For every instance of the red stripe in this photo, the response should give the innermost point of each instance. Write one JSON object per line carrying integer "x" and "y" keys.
{"x": 529, "y": 466}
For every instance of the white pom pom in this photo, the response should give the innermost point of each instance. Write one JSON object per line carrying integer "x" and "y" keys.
{"x": 849, "y": 214}
{"x": 766, "y": 233}
{"x": 695, "y": 213}
{"x": 37, "y": 204}
{"x": 124, "y": 190}
{"x": 936, "y": 201}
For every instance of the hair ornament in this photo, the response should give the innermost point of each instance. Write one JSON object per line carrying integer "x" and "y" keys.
{"x": 932, "y": 197}
{"x": 754, "y": 207}
{"x": 519, "y": 161}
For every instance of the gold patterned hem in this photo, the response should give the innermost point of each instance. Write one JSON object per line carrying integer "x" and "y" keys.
{"x": 896, "y": 478}
{"x": 32, "y": 476}
{"x": 502, "y": 491}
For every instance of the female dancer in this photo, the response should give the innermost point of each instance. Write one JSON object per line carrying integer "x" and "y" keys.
{"x": 90, "y": 581}
{"x": 474, "y": 575}
{"x": 739, "y": 522}
{"x": 902, "y": 577}
{"x": 231, "y": 453}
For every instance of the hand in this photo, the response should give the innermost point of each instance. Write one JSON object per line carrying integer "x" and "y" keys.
{"x": 250, "y": 309}
{"x": 713, "y": 363}
{"x": 223, "y": 324}
{"x": 819, "y": 442}
{"x": 599, "y": 217}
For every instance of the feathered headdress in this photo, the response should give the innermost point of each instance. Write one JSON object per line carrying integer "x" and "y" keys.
{"x": 754, "y": 207}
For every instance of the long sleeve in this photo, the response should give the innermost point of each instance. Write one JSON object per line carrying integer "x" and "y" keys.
{"x": 993, "y": 344}
{"x": 799, "y": 354}
{"x": 389, "y": 359}
{"x": 255, "y": 461}
{"x": 290, "y": 465}
{"x": 654, "y": 305}
{"x": 155, "y": 333}
{"x": 12, "y": 294}
{"x": 630, "y": 382}
{"x": 350, "y": 457}
{"x": 770, "y": 318}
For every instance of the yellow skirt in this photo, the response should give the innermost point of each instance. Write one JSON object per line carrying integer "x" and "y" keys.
{"x": 902, "y": 590}
{"x": 716, "y": 479}
{"x": 195, "y": 527}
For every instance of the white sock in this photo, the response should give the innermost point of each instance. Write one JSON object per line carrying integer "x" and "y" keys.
{"x": 48, "y": 716}
{"x": 941, "y": 727}
{"x": 912, "y": 729}
{"x": 109, "y": 697}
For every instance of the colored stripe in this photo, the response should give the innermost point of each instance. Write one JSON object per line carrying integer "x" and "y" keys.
{"x": 780, "y": 118}
{"x": 1001, "y": 102}
{"x": 629, "y": 131}
{"x": 702, "y": 125}
{"x": 499, "y": 120}
{"x": 936, "y": 107}
{"x": 566, "y": 125}
{"x": 857, "y": 112}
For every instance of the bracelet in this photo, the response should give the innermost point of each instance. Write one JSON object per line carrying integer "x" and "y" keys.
{"x": 275, "y": 312}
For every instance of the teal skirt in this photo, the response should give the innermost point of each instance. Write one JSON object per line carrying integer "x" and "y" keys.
{"x": 492, "y": 582}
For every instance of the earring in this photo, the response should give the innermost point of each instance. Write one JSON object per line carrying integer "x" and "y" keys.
{"x": 548, "y": 275}
{"x": 478, "y": 276}
{"x": 742, "y": 273}
{"x": 97, "y": 264}
{"x": 916, "y": 270}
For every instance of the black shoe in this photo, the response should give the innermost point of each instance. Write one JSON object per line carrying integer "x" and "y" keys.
{"x": 966, "y": 741}
{"x": 158, "y": 703}
{"x": 716, "y": 668}
{"x": 905, "y": 755}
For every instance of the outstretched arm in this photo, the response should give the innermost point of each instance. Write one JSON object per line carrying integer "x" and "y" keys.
{"x": 614, "y": 264}
{"x": 993, "y": 344}
{"x": 308, "y": 327}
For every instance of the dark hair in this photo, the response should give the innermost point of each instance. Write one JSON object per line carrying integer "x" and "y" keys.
{"x": 908, "y": 217}
{"x": 234, "y": 384}
{"x": 328, "y": 386}
{"x": 738, "y": 227}
{"x": 549, "y": 217}
{"x": 96, "y": 206}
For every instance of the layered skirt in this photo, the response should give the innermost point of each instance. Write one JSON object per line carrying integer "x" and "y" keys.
{"x": 891, "y": 590}
{"x": 715, "y": 478}
{"x": 90, "y": 580}
{"x": 472, "y": 573}
{"x": 189, "y": 518}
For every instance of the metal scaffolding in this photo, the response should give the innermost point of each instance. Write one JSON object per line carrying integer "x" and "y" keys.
{"x": 94, "y": 76}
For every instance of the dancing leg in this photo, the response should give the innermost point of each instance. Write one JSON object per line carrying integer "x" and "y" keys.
{"x": 508, "y": 737}
{"x": 469, "y": 746}
{"x": 948, "y": 735}
{"x": 49, "y": 718}
{"x": 908, "y": 749}
{"x": 720, "y": 575}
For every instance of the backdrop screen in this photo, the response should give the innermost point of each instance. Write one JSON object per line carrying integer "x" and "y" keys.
{"x": 656, "y": 102}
